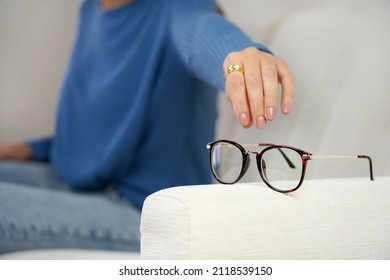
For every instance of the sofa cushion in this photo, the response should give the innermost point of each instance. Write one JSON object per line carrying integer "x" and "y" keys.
{"x": 324, "y": 219}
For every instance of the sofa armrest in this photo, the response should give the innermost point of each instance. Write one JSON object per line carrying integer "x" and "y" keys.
{"x": 324, "y": 219}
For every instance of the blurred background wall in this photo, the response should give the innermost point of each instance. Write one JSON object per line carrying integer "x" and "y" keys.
{"x": 36, "y": 37}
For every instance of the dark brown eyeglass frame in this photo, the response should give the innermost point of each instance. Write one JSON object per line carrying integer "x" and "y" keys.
{"x": 305, "y": 156}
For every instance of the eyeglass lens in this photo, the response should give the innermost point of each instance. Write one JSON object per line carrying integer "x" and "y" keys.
{"x": 227, "y": 164}
{"x": 276, "y": 170}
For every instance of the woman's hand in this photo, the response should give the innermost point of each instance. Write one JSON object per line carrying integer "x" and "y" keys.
{"x": 253, "y": 90}
{"x": 15, "y": 152}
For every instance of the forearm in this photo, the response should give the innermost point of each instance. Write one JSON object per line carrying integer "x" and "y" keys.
{"x": 204, "y": 39}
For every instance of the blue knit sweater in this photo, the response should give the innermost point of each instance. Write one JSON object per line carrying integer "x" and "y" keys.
{"x": 138, "y": 104}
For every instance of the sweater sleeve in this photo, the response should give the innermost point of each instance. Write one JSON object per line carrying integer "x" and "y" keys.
{"x": 204, "y": 38}
{"x": 41, "y": 148}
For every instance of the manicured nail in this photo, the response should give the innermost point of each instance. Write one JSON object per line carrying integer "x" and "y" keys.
{"x": 244, "y": 119}
{"x": 261, "y": 122}
{"x": 271, "y": 113}
{"x": 286, "y": 108}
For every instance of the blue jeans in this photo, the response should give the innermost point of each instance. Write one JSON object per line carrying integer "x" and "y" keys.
{"x": 38, "y": 211}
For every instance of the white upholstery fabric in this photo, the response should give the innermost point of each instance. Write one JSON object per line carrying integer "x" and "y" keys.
{"x": 324, "y": 219}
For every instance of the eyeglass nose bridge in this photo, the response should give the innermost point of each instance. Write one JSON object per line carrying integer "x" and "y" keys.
{"x": 259, "y": 162}
{"x": 253, "y": 152}
{"x": 246, "y": 163}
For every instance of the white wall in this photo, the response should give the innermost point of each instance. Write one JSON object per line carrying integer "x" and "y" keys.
{"x": 35, "y": 41}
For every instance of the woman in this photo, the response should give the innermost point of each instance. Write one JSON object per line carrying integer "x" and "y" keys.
{"x": 138, "y": 106}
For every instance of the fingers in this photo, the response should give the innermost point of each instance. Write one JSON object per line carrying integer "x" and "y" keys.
{"x": 15, "y": 152}
{"x": 255, "y": 93}
{"x": 288, "y": 86}
{"x": 252, "y": 88}
{"x": 270, "y": 85}
{"x": 236, "y": 94}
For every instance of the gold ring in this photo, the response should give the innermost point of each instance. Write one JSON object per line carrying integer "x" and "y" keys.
{"x": 233, "y": 68}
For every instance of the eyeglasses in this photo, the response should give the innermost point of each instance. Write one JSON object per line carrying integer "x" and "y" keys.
{"x": 282, "y": 168}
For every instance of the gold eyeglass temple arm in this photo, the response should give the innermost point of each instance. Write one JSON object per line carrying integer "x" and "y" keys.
{"x": 314, "y": 157}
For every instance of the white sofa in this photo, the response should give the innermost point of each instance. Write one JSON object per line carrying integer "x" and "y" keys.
{"x": 324, "y": 219}
{"x": 327, "y": 219}
{"x": 339, "y": 55}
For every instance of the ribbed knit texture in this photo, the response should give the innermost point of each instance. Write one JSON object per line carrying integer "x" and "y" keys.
{"x": 138, "y": 104}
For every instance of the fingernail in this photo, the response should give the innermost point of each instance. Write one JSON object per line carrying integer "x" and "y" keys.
{"x": 244, "y": 119}
{"x": 270, "y": 113}
{"x": 261, "y": 122}
{"x": 286, "y": 108}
